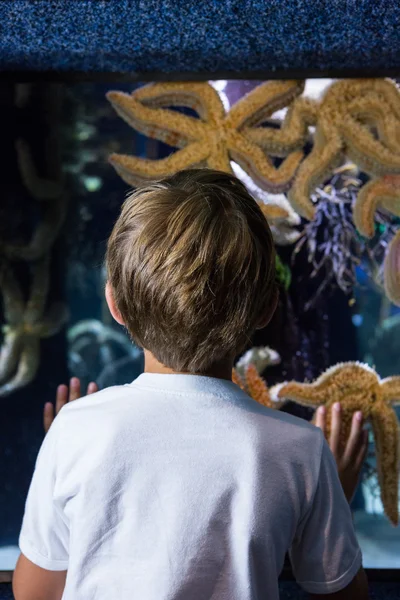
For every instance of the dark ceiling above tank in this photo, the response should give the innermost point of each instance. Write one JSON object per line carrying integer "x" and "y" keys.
{"x": 171, "y": 38}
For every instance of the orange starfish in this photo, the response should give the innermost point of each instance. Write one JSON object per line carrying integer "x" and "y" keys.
{"x": 215, "y": 139}
{"x": 255, "y": 386}
{"x": 357, "y": 387}
{"x": 343, "y": 128}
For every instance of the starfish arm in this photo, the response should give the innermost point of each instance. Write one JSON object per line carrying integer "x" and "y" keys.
{"x": 9, "y": 353}
{"x": 38, "y": 292}
{"x": 273, "y": 212}
{"x": 255, "y": 162}
{"x": 276, "y": 401}
{"x": 39, "y": 188}
{"x": 348, "y": 376}
{"x": 45, "y": 234}
{"x": 170, "y": 127}
{"x": 319, "y": 164}
{"x": 238, "y": 380}
{"x": 375, "y": 193}
{"x": 392, "y": 270}
{"x": 339, "y": 383}
{"x": 136, "y": 171}
{"x": 386, "y": 433}
{"x": 266, "y": 200}
{"x": 53, "y": 321}
{"x": 27, "y": 367}
{"x": 390, "y": 388}
{"x": 302, "y": 393}
{"x": 293, "y": 133}
{"x": 262, "y": 102}
{"x": 367, "y": 152}
{"x": 13, "y": 301}
{"x": 374, "y": 110}
{"x": 219, "y": 159}
{"x": 257, "y": 388}
{"x": 201, "y": 97}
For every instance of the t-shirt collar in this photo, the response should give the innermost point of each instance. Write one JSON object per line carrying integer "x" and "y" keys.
{"x": 186, "y": 383}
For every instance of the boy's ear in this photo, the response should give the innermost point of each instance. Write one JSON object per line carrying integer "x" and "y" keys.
{"x": 112, "y": 306}
{"x": 271, "y": 311}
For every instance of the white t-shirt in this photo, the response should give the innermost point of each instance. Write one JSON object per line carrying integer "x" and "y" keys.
{"x": 181, "y": 487}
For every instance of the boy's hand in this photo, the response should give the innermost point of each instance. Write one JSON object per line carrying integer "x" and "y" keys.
{"x": 349, "y": 459}
{"x": 63, "y": 396}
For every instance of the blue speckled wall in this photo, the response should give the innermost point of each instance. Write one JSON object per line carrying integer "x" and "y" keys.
{"x": 192, "y": 36}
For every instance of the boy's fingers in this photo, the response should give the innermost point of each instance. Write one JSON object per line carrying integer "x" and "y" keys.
{"x": 61, "y": 397}
{"x": 320, "y": 418}
{"x": 362, "y": 453}
{"x": 48, "y": 416}
{"x": 92, "y": 388}
{"x": 335, "y": 428}
{"x": 356, "y": 438}
{"x": 74, "y": 389}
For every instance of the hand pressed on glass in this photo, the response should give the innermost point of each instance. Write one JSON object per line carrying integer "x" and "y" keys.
{"x": 349, "y": 458}
{"x": 65, "y": 394}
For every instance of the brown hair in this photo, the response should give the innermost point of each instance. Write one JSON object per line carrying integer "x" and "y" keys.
{"x": 191, "y": 263}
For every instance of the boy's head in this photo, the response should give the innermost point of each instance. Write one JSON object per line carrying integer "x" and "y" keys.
{"x": 191, "y": 267}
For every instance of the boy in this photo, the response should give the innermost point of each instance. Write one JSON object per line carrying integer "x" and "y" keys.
{"x": 178, "y": 486}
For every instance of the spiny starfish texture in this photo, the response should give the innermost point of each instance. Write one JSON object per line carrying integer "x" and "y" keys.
{"x": 214, "y": 139}
{"x": 25, "y": 326}
{"x": 283, "y": 227}
{"x": 392, "y": 270}
{"x": 382, "y": 193}
{"x": 345, "y": 120}
{"x": 358, "y": 388}
{"x": 254, "y": 385}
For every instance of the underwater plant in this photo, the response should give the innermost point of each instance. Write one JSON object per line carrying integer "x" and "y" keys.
{"x": 334, "y": 245}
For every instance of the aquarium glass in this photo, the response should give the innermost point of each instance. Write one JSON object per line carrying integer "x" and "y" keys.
{"x": 60, "y": 199}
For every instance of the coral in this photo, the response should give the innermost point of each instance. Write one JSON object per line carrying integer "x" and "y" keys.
{"x": 260, "y": 357}
{"x": 392, "y": 270}
{"x": 215, "y": 139}
{"x": 254, "y": 386}
{"x": 347, "y": 118}
{"x": 246, "y": 374}
{"x": 100, "y": 352}
{"x": 357, "y": 387}
{"x": 334, "y": 246}
{"x": 25, "y": 325}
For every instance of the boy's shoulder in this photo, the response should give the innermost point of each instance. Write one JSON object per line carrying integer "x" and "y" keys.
{"x": 95, "y": 400}
{"x": 115, "y": 406}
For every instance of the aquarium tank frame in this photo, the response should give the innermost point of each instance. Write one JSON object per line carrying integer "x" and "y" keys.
{"x": 165, "y": 42}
